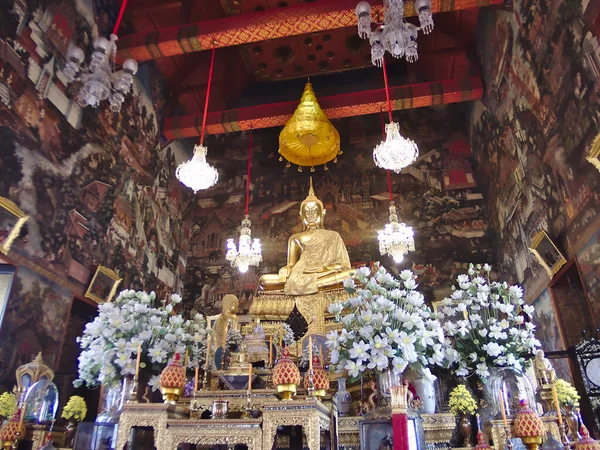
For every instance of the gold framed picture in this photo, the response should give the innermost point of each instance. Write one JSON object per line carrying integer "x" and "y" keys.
{"x": 594, "y": 154}
{"x": 12, "y": 220}
{"x": 547, "y": 254}
{"x": 103, "y": 286}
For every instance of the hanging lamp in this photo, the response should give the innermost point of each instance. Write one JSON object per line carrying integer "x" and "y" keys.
{"x": 100, "y": 80}
{"x": 396, "y": 239}
{"x": 395, "y": 152}
{"x": 249, "y": 251}
{"x": 308, "y": 138}
{"x": 197, "y": 173}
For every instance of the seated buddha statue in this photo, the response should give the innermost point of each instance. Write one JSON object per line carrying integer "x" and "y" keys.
{"x": 317, "y": 259}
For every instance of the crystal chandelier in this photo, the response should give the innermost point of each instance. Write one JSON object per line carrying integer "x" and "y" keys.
{"x": 396, "y": 152}
{"x": 100, "y": 80}
{"x": 196, "y": 173}
{"x": 249, "y": 252}
{"x": 395, "y": 35}
{"x": 396, "y": 239}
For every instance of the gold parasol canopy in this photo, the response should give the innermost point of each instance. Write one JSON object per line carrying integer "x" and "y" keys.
{"x": 309, "y": 139}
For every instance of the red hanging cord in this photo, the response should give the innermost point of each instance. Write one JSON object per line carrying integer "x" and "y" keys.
{"x": 389, "y": 174}
{"x": 119, "y": 17}
{"x": 210, "y": 74}
{"x": 249, "y": 165}
{"x": 387, "y": 90}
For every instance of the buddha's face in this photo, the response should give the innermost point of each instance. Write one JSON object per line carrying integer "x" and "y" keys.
{"x": 312, "y": 214}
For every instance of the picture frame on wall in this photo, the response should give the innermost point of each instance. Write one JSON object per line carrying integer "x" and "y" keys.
{"x": 594, "y": 153}
{"x": 547, "y": 254}
{"x": 104, "y": 285}
{"x": 12, "y": 220}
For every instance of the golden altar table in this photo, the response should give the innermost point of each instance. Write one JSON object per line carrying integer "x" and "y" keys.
{"x": 214, "y": 432}
{"x": 309, "y": 413}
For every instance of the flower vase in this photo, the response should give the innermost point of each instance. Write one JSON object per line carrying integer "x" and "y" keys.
{"x": 464, "y": 424}
{"x": 343, "y": 399}
{"x": 513, "y": 383}
{"x": 425, "y": 389}
{"x": 572, "y": 422}
{"x": 70, "y": 431}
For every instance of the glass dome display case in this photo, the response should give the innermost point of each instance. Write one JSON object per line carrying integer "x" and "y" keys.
{"x": 41, "y": 402}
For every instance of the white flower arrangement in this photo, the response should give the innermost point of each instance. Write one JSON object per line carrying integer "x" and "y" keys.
{"x": 110, "y": 342}
{"x": 288, "y": 335}
{"x": 487, "y": 322}
{"x": 234, "y": 338}
{"x": 386, "y": 325}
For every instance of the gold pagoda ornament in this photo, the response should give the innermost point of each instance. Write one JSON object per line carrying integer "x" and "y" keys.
{"x": 309, "y": 139}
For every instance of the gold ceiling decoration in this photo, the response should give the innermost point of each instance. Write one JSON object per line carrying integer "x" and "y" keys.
{"x": 309, "y": 139}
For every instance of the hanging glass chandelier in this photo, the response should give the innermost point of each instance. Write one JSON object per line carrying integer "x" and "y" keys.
{"x": 396, "y": 239}
{"x": 249, "y": 251}
{"x": 396, "y": 152}
{"x": 100, "y": 80}
{"x": 395, "y": 35}
{"x": 197, "y": 173}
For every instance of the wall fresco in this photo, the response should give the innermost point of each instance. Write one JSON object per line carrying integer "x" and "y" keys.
{"x": 530, "y": 134}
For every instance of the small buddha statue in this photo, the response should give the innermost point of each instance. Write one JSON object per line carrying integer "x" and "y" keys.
{"x": 317, "y": 259}
{"x": 544, "y": 372}
{"x": 226, "y": 320}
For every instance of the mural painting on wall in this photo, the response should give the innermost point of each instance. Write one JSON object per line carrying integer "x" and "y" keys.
{"x": 548, "y": 333}
{"x": 98, "y": 187}
{"x": 531, "y": 133}
{"x": 589, "y": 265}
{"x": 438, "y": 196}
{"x": 34, "y": 321}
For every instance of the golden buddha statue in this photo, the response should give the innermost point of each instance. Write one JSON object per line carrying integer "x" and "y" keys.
{"x": 227, "y": 319}
{"x": 317, "y": 258}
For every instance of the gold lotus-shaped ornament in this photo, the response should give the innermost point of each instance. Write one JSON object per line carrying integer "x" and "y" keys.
{"x": 309, "y": 139}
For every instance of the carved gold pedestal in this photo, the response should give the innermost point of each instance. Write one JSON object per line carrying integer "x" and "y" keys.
{"x": 170, "y": 395}
{"x": 286, "y": 390}
{"x": 311, "y": 414}
{"x": 532, "y": 442}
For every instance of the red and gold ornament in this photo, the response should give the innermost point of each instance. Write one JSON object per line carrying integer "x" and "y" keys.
{"x": 481, "y": 442}
{"x": 320, "y": 379}
{"x": 172, "y": 380}
{"x": 585, "y": 442}
{"x": 286, "y": 375}
{"x": 528, "y": 426}
{"x": 12, "y": 430}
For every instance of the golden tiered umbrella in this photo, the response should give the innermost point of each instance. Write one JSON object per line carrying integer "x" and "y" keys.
{"x": 309, "y": 139}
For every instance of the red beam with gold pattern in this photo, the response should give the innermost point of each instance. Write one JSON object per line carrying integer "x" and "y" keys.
{"x": 336, "y": 107}
{"x": 273, "y": 23}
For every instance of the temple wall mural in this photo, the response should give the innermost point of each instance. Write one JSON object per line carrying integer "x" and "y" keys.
{"x": 99, "y": 189}
{"x": 533, "y": 129}
{"x": 438, "y": 196}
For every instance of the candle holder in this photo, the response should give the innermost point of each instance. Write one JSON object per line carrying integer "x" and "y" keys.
{"x": 194, "y": 407}
{"x": 132, "y": 397}
{"x": 15, "y": 443}
{"x": 311, "y": 383}
{"x": 507, "y": 436}
{"x": 205, "y": 386}
{"x": 563, "y": 436}
{"x": 248, "y": 410}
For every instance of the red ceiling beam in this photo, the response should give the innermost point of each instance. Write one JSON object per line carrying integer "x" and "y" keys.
{"x": 336, "y": 107}
{"x": 274, "y": 23}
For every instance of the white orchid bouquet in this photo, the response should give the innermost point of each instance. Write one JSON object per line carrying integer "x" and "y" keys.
{"x": 234, "y": 338}
{"x": 288, "y": 335}
{"x": 110, "y": 342}
{"x": 487, "y": 321}
{"x": 386, "y": 325}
